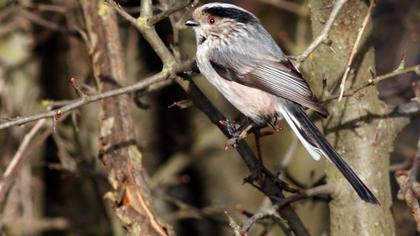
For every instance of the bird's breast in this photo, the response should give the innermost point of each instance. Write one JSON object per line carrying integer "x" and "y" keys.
{"x": 253, "y": 103}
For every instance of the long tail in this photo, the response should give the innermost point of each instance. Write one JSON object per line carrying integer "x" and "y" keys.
{"x": 316, "y": 144}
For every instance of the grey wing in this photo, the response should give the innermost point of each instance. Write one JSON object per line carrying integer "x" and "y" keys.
{"x": 275, "y": 76}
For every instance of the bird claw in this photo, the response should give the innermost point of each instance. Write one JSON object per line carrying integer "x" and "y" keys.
{"x": 232, "y": 142}
{"x": 236, "y": 133}
{"x": 231, "y": 126}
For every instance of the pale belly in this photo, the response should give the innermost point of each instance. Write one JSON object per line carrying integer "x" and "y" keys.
{"x": 253, "y": 103}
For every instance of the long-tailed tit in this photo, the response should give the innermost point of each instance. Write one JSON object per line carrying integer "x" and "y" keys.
{"x": 240, "y": 58}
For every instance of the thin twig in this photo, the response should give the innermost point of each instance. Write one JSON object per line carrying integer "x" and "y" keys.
{"x": 76, "y": 103}
{"x": 17, "y": 160}
{"x": 355, "y": 48}
{"x": 268, "y": 213}
{"x": 371, "y": 82}
{"x": 233, "y": 224}
{"x": 326, "y": 189}
{"x": 148, "y": 31}
{"x": 323, "y": 37}
{"x": 407, "y": 193}
{"x": 165, "y": 14}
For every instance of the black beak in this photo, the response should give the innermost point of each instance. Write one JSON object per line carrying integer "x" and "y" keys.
{"x": 191, "y": 23}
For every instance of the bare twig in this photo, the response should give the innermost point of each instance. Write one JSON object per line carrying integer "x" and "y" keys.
{"x": 234, "y": 225}
{"x": 165, "y": 14}
{"x": 355, "y": 48}
{"x": 34, "y": 146}
{"x": 74, "y": 104}
{"x": 144, "y": 26}
{"x": 401, "y": 166}
{"x": 323, "y": 37}
{"x": 407, "y": 193}
{"x": 327, "y": 189}
{"x": 268, "y": 213}
{"x": 371, "y": 82}
{"x": 17, "y": 160}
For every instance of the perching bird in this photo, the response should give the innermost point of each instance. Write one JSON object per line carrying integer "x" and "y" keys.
{"x": 240, "y": 58}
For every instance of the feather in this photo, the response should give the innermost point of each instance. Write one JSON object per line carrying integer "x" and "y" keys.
{"x": 278, "y": 78}
{"x": 316, "y": 144}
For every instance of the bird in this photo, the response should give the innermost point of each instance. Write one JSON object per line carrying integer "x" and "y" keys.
{"x": 237, "y": 55}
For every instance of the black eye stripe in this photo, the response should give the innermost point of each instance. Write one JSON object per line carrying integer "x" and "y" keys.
{"x": 232, "y": 13}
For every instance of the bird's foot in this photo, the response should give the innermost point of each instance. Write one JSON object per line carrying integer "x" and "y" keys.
{"x": 237, "y": 136}
{"x": 236, "y": 131}
{"x": 230, "y": 126}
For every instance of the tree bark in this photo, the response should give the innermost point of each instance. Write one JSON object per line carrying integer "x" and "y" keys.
{"x": 363, "y": 140}
{"x": 117, "y": 150}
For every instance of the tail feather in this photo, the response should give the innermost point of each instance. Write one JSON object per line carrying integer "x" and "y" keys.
{"x": 316, "y": 144}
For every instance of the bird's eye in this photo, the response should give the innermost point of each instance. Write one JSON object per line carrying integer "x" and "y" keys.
{"x": 211, "y": 20}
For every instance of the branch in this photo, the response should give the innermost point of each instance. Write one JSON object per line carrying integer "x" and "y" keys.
{"x": 130, "y": 194}
{"x": 234, "y": 225}
{"x": 267, "y": 213}
{"x": 409, "y": 187}
{"x": 407, "y": 193}
{"x": 355, "y": 48}
{"x": 12, "y": 169}
{"x": 327, "y": 189}
{"x": 144, "y": 25}
{"x": 371, "y": 82}
{"x": 323, "y": 37}
{"x": 165, "y": 14}
{"x": 76, "y": 103}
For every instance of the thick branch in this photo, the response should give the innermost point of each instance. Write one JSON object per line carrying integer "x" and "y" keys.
{"x": 118, "y": 151}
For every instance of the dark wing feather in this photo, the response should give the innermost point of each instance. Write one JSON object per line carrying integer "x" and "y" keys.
{"x": 277, "y": 77}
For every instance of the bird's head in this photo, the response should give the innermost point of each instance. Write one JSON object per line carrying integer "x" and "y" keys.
{"x": 219, "y": 19}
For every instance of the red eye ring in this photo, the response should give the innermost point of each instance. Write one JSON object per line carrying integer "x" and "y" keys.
{"x": 211, "y": 20}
